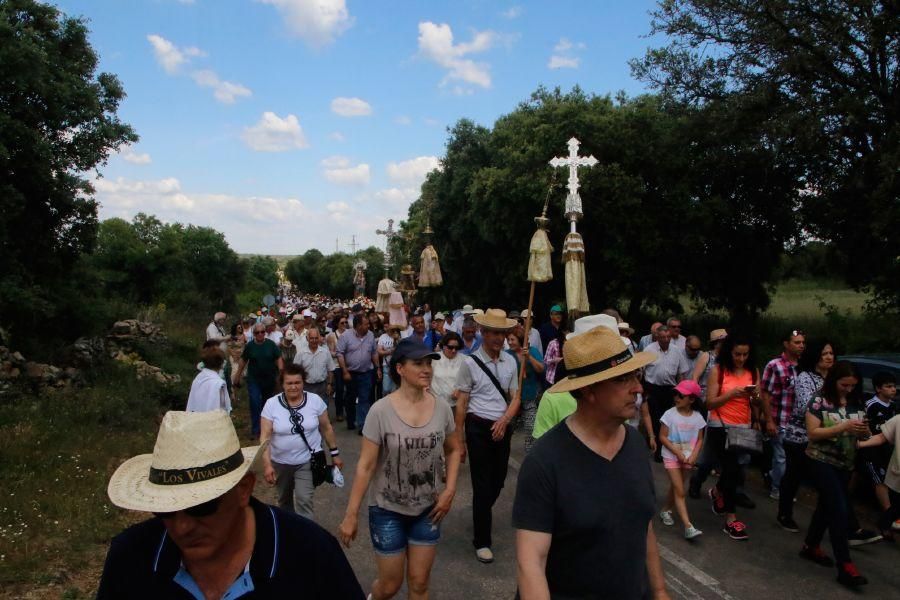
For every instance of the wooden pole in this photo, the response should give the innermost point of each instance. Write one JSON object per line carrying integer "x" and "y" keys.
{"x": 526, "y": 344}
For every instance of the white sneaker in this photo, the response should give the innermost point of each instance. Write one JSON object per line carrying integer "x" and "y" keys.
{"x": 691, "y": 532}
{"x": 666, "y": 516}
{"x": 775, "y": 494}
{"x": 484, "y": 555}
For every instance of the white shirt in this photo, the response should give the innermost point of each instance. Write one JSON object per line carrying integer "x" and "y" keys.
{"x": 668, "y": 366}
{"x": 287, "y": 447}
{"x": 534, "y": 339}
{"x": 485, "y": 400}
{"x": 300, "y": 340}
{"x": 444, "y": 374}
{"x": 317, "y": 364}
{"x": 275, "y": 336}
{"x": 678, "y": 342}
{"x": 208, "y": 393}
{"x": 214, "y": 331}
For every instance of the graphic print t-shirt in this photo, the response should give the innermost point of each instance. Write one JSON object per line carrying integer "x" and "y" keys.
{"x": 683, "y": 432}
{"x": 408, "y": 470}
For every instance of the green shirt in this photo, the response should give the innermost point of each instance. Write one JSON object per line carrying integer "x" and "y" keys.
{"x": 839, "y": 451}
{"x": 552, "y": 409}
{"x": 262, "y": 361}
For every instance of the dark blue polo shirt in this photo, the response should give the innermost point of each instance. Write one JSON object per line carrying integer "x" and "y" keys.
{"x": 293, "y": 557}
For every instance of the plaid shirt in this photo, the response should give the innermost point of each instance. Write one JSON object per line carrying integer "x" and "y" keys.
{"x": 778, "y": 380}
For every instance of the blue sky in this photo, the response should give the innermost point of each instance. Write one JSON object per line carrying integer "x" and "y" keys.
{"x": 287, "y": 124}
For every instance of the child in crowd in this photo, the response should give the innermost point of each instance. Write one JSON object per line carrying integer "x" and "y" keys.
{"x": 890, "y": 433}
{"x": 879, "y": 409}
{"x": 681, "y": 435}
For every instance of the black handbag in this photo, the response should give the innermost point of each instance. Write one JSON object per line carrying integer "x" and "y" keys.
{"x": 318, "y": 463}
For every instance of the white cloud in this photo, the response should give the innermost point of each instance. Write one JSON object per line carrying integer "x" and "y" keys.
{"x": 335, "y": 162}
{"x": 274, "y": 134}
{"x": 436, "y": 44}
{"x": 136, "y": 158}
{"x": 225, "y": 92}
{"x": 513, "y": 12}
{"x": 337, "y": 136}
{"x": 317, "y": 22}
{"x": 563, "y": 62}
{"x": 402, "y": 120}
{"x": 564, "y": 55}
{"x": 351, "y": 107}
{"x": 412, "y": 172}
{"x": 169, "y": 56}
{"x": 398, "y": 198}
{"x": 251, "y": 223}
{"x": 344, "y": 174}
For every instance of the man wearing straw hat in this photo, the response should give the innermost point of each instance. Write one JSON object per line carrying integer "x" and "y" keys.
{"x": 210, "y": 538}
{"x": 487, "y": 402}
{"x": 585, "y": 499}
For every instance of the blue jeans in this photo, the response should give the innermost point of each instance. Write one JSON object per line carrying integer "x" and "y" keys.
{"x": 392, "y": 532}
{"x": 779, "y": 462}
{"x": 258, "y": 392}
{"x": 359, "y": 396}
{"x": 833, "y": 510}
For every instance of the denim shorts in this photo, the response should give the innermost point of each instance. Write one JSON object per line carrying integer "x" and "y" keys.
{"x": 392, "y": 532}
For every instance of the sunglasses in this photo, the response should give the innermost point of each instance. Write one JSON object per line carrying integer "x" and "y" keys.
{"x": 201, "y": 510}
{"x": 454, "y": 348}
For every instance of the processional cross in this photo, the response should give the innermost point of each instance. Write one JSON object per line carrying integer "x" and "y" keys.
{"x": 389, "y": 235}
{"x": 573, "y": 161}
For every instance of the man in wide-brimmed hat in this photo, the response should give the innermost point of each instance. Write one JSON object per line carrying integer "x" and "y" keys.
{"x": 487, "y": 402}
{"x": 209, "y": 537}
{"x": 585, "y": 499}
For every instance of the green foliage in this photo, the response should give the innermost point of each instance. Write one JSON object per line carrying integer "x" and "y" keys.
{"x": 58, "y": 121}
{"x": 822, "y": 81}
{"x": 147, "y": 262}
{"x": 332, "y": 275}
{"x": 668, "y": 185}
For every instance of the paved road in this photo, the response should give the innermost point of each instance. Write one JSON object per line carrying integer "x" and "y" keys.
{"x": 712, "y": 568}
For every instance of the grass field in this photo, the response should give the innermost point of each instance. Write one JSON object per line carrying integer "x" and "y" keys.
{"x": 805, "y": 298}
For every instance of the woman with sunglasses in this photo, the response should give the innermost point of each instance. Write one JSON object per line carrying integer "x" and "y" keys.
{"x": 443, "y": 380}
{"x": 405, "y": 438}
{"x": 295, "y": 422}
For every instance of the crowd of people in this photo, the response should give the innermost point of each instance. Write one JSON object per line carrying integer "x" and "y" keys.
{"x": 427, "y": 390}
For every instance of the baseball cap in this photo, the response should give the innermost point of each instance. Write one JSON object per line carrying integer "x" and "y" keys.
{"x": 688, "y": 388}
{"x": 556, "y": 308}
{"x": 408, "y": 348}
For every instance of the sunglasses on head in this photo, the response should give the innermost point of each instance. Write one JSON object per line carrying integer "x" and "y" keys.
{"x": 797, "y": 332}
{"x": 206, "y": 509}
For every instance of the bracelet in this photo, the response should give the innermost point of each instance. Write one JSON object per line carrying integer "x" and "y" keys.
{"x": 335, "y": 452}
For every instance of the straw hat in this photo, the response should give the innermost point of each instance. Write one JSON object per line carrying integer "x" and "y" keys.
{"x": 717, "y": 334}
{"x": 495, "y": 318}
{"x": 624, "y": 326}
{"x": 197, "y": 457}
{"x": 597, "y": 355}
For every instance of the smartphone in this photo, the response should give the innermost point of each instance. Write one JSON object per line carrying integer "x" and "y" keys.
{"x": 749, "y": 388}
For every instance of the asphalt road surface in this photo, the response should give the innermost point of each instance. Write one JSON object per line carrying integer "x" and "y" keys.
{"x": 714, "y": 567}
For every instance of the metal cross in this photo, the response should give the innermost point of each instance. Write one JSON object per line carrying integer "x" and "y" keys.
{"x": 389, "y": 234}
{"x": 573, "y": 161}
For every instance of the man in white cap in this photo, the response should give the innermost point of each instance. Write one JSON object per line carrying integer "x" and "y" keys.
{"x": 216, "y": 331}
{"x": 486, "y": 404}
{"x": 585, "y": 500}
{"x": 209, "y": 537}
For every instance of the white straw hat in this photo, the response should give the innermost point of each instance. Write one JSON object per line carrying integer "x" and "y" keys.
{"x": 197, "y": 457}
{"x": 588, "y": 322}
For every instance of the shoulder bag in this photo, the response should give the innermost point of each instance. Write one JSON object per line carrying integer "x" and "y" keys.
{"x": 490, "y": 375}
{"x": 742, "y": 439}
{"x": 317, "y": 461}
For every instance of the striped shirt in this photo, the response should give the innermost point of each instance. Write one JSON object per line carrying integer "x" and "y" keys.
{"x": 778, "y": 380}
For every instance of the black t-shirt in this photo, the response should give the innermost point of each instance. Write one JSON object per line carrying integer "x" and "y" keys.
{"x": 293, "y": 557}
{"x": 598, "y": 512}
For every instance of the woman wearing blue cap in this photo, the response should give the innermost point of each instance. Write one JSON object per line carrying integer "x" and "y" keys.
{"x": 405, "y": 437}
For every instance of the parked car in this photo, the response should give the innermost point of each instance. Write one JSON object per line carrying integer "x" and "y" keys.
{"x": 871, "y": 364}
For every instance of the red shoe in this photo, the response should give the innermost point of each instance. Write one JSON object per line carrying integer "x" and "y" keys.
{"x": 816, "y": 555}
{"x": 849, "y": 576}
{"x": 718, "y": 502}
